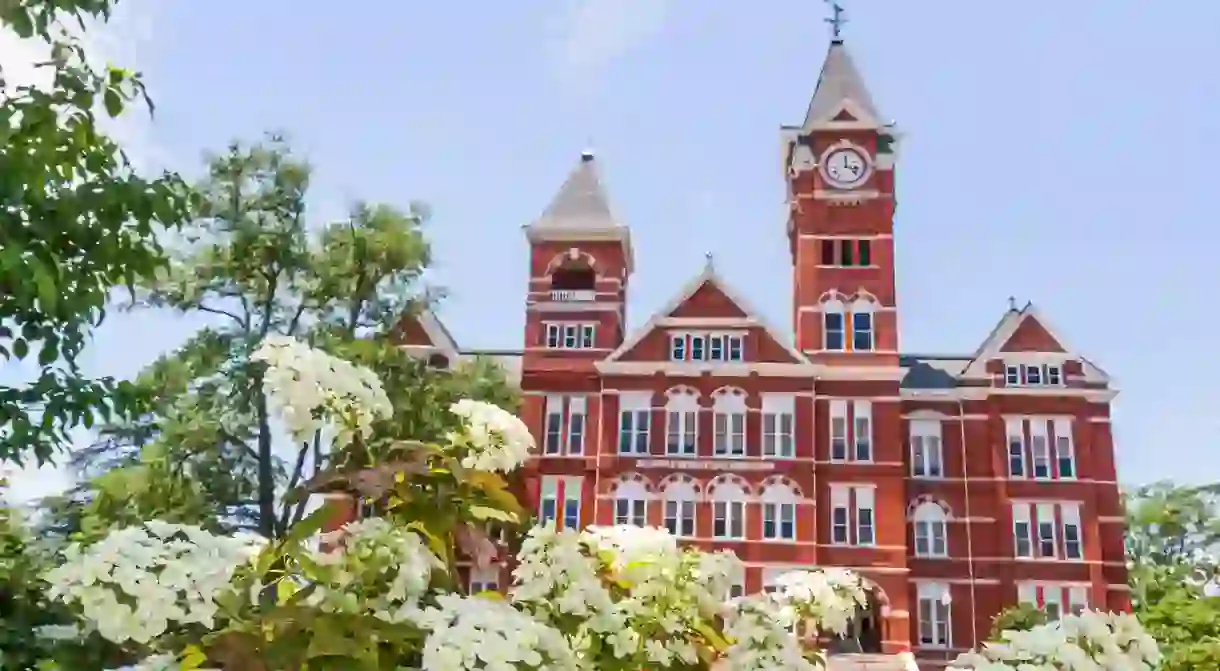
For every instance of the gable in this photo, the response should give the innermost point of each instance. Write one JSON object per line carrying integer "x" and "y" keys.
{"x": 412, "y": 332}
{"x": 709, "y": 300}
{"x": 758, "y": 345}
{"x": 1032, "y": 336}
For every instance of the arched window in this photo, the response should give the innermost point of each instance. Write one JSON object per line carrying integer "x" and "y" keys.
{"x": 573, "y": 272}
{"x": 729, "y": 422}
{"x": 729, "y": 495}
{"x": 680, "y": 492}
{"x": 631, "y": 502}
{"x": 931, "y": 530}
{"x": 834, "y": 326}
{"x": 862, "y": 327}
{"x": 682, "y": 421}
{"x": 779, "y": 499}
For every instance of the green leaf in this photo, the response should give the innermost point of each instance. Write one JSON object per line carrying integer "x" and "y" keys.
{"x": 192, "y": 658}
{"x": 485, "y": 513}
{"x": 20, "y": 348}
{"x": 114, "y": 102}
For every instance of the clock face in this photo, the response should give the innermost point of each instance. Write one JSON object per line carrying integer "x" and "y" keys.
{"x": 845, "y": 168}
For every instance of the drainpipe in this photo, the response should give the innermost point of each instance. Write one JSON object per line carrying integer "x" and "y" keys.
{"x": 974, "y": 605}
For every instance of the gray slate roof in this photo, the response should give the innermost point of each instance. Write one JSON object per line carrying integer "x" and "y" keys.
{"x": 580, "y": 203}
{"x": 839, "y": 81}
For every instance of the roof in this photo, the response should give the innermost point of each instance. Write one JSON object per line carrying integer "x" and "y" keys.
{"x": 580, "y": 203}
{"x": 840, "y": 82}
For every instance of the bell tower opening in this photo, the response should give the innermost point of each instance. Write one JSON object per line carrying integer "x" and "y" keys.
{"x": 574, "y": 276}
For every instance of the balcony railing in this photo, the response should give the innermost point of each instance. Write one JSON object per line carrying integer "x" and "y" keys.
{"x": 572, "y": 295}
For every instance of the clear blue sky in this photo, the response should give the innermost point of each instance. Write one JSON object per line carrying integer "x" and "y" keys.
{"x": 1059, "y": 152}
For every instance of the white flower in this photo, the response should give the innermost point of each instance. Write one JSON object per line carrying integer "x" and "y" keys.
{"x": 481, "y": 633}
{"x": 495, "y": 439}
{"x": 136, "y": 582}
{"x": 1090, "y": 641}
{"x": 312, "y": 389}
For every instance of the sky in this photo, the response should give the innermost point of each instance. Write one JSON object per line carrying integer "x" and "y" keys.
{"x": 1062, "y": 156}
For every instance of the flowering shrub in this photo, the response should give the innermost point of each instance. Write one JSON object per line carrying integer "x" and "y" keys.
{"x": 1090, "y": 641}
{"x": 383, "y": 594}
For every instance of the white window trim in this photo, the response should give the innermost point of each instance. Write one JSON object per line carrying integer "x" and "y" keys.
{"x": 1015, "y": 437}
{"x": 569, "y": 335}
{"x": 930, "y": 517}
{"x": 835, "y": 307}
{"x": 1064, "y": 444}
{"x": 937, "y": 596}
{"x": 779, "y": 409}
{"x": 862, "y": 431}
{"x": 735, "y": 511}
{"x": 635, "y": 405}
{"x": 926, "y": 441}
{"x": 862, "y": 307}
{"x": 838, "y": 412}
{"x": 681, "y": 507}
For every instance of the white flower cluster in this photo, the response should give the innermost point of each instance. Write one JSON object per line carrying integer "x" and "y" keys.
{"x": 495, "y": 439}
{"x": 378, "y": 569}
{"x": 312, "y": 389}
{"x": 759, "y": 639}
{"x": 136, "y": 582}
{"x": 827, "y": 598}
{"x": 468, "y": 633}
{"x": 627, "y": 591}
{"x": 1090, "y": 641}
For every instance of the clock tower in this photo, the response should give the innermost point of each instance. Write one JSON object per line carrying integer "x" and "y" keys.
{"x": 839, "y": 172}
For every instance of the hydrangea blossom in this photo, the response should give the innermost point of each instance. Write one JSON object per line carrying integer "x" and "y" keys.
{"x": 379, "y": 569}
{"x": 760, "y": 641}
{"x": 1090, "y": 641}
{"x": 308, "y": 387}
{"x": 495, "y": 439}
{"x": 468, "y": 633}
{"x": 826, "y": 598}
{"x": 135, "y": 583}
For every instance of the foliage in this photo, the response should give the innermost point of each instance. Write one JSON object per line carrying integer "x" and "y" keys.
{"x": 76, "y": 222}
{"x": 1172, "y": 535}
{"x": 1090, "y": 641}
{"x": 253, "y": 264}
{"x": 1021, "y": 617}
{"x": 384, "y": 595}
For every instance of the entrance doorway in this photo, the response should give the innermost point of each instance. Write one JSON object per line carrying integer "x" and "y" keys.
{"x": 865, "y": 633}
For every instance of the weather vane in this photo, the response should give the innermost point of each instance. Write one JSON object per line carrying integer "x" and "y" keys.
{"x": 836, "y": 19}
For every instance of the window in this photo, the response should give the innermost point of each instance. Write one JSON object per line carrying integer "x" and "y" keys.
{"x": 1052, "y": 598}
{"x": 564, "y": 430}
{"x": 862, "y": 331}
{"x": 779, "y": 521}
{"x": 1078, "y": 599}
{"x": 730, "y": 434}
{"x": 1072, "y": 546}
{"x": 630, "y": 510}
{"x": 682, "y": 423}
{"x": 1022, "y": 544}
{"x": 1046, "y": 530}
{"x": 865, "y": 522}
{"x": 677, "y": 347}
{"x": 698, "y": 347}
{"x": 933, "y": 615}
{"x": 1033, "y": 375}
{"x": 728, "y": 519}
{"x": 838, "y": 430}
{"x": 576, "y": 425}
{"x": 834, "y": 337}
{"x": 778, "y": 420}
{"x": 862, "y": 430}
{"x": 570, "y": 336}
{"x": 680, "y": 518}
{"x": 931, "y": 530}
{"x": 925, "y": 449}
{"x": 553, "y": 442}
{"x": 706, "y": 346}
{"x": 484, "y": 580}
{"x": 1016, "y": 447}
{"x": 846, "y": 253}
{"x": 1065, "y": 452}
{"x": 840, "y": 510}
{"x": 560, "y": 500}
{"x": 634, "y": 419}
{"x": 1039, "y": 449}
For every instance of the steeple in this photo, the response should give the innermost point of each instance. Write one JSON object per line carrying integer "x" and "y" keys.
{"x": 581, "y": 201}
{"x": 841, "y": 93}
{"x": 580, "y": 211}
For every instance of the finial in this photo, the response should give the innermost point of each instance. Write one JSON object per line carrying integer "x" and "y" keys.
{"x": 708, "y": 264}
{"x": 836, "y": 20}
{"x": 1012, "y": 303}
{"x": 587, "y": 154}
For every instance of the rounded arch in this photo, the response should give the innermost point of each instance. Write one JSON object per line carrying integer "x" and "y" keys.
{"x": 631, "y": 486}
{"x": 681, "y": 487}
{"x": 574, "y": 258}
{"x": 682, "y": 397}
{"x": 863, "y": 302}
{"x": 927, "y": 508}
{"x": 729, "y": 399}
{"x": 729, "y": 487}
{"x": 779, "y": 489}
{"x": 833, "y": 301}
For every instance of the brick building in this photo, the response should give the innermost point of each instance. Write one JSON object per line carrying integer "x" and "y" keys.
{"x": 955, "y": 484}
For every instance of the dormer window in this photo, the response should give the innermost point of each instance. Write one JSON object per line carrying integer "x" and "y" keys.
{"x": 706, "y": 346}
{"x": 1033, "y": 375}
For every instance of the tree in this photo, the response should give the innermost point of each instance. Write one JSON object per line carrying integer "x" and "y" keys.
{"x": 258, "y": 269}
{"x": 77, "y": 222}
{"x": 1172, "y": 536}
{"x": 1021, "y": 617}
